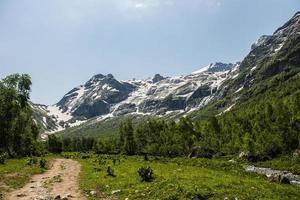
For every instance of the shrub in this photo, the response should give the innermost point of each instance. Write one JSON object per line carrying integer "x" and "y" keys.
{"x": 85, "y": 157}
{"x": 101, "y": 161}
{"x": 296, "y": 159}
{"x": 146, "y": 174}
{"x": 32, "y": 161}
{"x": 67, "y": 156}
{"x": 2, "y": 158}
{"x": 110, "y": 172}
{"x": 146, "y": 157}
{"x": 43, "y": 163}
{"x": 201, "y": 152}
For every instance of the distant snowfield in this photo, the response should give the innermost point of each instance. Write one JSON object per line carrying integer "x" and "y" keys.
{"x": 55, "y": 111}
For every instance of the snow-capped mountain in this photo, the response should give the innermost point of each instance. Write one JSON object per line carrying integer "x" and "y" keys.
{"x": 103, "y": 96}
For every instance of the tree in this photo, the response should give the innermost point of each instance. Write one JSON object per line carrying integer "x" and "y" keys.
{"x": 18, "y": 131}
{"x": 127, "y": 137}
{"x": 55, "y": 145}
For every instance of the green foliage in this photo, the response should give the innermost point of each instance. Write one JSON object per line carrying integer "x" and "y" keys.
{"x": 127, "y": 138}
{"x": 32, "y": 161}
{"x": 160, "y": 137}
{"x": 82, "y": 144}
{"x": 146, "y": 174}
{"x": 105, "y": 130}
{"x": 55, "y": 144}
{"x": 18, "y": 131}
{"x": 110, "y": 171}
{"x": 43, "y": 163}
{"x": 3, "y": 157}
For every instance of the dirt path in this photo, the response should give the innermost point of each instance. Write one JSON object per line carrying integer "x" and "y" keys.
{"x": 61, "y": 179}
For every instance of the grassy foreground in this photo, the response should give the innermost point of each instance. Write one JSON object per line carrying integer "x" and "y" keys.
{"x": 178, "y": 178}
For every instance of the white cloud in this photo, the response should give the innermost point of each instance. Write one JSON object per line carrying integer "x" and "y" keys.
{"x": 140, "y": 5}
{"x": 146, "y": 3}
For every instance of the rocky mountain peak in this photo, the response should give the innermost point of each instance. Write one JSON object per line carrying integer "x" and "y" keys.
{"x": 110, "y": 76}
{"x": 219, "y": 67}
{"x": 157, "y": 78}
{"x": 99, "y": 79}
{"x": 263, "y": 39}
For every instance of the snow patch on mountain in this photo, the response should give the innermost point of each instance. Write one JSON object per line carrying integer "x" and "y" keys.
{"x": 203, "y": 69}
{"x": 58, "y": 114}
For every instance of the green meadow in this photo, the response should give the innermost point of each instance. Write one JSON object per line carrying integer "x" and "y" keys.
{"x": 178, "y": 178}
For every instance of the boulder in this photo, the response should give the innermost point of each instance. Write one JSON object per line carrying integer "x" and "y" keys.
{"x": 244, "y": 155}
{"x": 296, "y": 153}
{"x": 248, "y": 156}
{"x": 279, "y": 178}
{"x": 93, "y": 193}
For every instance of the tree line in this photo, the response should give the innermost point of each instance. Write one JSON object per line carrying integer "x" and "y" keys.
{"x": 264, "y": 128}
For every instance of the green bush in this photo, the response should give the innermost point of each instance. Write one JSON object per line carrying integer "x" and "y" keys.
{"x": 296, "y": 158}
{"x": 32, "y": 161}
{"x": 2, "y": 158}
{"x": 43, "y": 163}
{"x": 110, "y": 172}
{"x": 146, "y": 174}
{"x": 101, "y": 161}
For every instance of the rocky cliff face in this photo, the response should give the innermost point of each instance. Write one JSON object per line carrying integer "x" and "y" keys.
{"x": 253, "y": 70}
{"x": 267, "y": 46}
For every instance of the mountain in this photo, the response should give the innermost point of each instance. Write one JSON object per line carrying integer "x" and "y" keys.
{"x": 104, "y": 96}
{"x": 212, "y": 90}
{"x": 271, "y": 59}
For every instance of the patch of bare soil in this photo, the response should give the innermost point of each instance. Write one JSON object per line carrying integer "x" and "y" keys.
{"x": 59, "y": 182}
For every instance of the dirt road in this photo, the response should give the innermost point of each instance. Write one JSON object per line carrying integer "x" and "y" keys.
{"x": 59, "y": 182}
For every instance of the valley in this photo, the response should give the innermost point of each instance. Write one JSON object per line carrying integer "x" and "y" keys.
{"x": 227, "y": 131}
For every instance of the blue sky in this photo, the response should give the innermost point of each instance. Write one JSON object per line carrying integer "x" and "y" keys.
{"x": 62, "y": 43}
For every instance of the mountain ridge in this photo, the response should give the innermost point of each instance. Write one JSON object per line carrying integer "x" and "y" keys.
{"x": 218, "y": 87}
{"x": 103, "y": 96}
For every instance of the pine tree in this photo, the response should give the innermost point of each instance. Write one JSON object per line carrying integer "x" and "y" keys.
{"x": 127, "y": 135}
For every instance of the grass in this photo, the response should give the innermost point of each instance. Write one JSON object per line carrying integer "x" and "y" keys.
{"x": 178, "y": 178}
{"x": 15, "y": 173}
